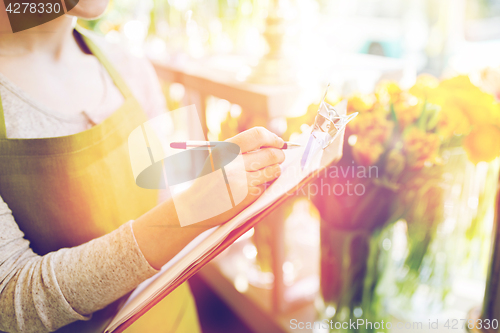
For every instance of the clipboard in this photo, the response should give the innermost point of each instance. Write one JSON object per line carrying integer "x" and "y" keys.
{"x": 233, "y": 236}
{"x": 243, "y": 222}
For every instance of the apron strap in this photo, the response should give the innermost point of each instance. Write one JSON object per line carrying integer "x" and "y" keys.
{"x": 3, "y": 130}
{"x": 113, "y": 73}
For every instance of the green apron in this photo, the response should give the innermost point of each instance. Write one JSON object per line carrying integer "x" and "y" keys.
{"x": 68, "y": 190}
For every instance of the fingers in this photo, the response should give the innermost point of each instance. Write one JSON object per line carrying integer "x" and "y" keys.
{"x": 255, "y": 138}
{"x": 265, "y": 175}
{"x": 262, "y": 158}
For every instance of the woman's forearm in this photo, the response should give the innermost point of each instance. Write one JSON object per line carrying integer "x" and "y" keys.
{"x": 43, "y": 293}
{"x": 160, "y": 235}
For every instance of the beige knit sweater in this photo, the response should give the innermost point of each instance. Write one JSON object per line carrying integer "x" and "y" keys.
{"x": 42, "y": 293}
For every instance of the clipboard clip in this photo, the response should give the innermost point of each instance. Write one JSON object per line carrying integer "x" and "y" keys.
{"x": 329, "y": 122}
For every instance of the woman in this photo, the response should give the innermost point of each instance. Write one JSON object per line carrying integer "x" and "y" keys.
{"x": 76, "y": 233}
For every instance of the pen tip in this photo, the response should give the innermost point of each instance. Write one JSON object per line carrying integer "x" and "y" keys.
{"x": 291, "y": 145}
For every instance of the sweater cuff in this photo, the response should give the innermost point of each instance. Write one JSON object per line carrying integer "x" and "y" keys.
{"x": 148, "y": 269}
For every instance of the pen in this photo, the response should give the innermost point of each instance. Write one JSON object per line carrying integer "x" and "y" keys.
{"x": 211, "y": 144}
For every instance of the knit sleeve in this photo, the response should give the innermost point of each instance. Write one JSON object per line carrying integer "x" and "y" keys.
{"x": 44, "y": 293}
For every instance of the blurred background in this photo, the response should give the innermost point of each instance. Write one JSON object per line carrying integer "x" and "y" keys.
{"x": 419, "y": 243}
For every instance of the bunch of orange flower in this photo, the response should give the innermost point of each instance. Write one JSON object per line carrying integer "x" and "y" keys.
{"x": 417, "y": 123}
{"x": 405, "y": 133}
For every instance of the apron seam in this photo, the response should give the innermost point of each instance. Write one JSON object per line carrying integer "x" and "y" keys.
{"x": 179, "y": 318}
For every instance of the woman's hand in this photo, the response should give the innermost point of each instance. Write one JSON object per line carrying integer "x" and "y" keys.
{"x": 213, "y": 199}
{"x": 159, "y": 233}
{"x": 261, "y": 165}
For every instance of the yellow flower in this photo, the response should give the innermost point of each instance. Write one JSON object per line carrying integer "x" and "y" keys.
{"x": 372, "y": 126}
{"x": 380, "y": 109}
{"x": 482, "y": 109}
{"x": 458, "y": 82}
{"x": 387, "y": 92}
{"x": 360, "y": 103}
{"x": 367, "y": 152}
{"x": 464, "y": 106}
{"x": 406, "y": 113}
{"x": 483, "y": 144}
{"x": 424, "y": 86}
{"x": 372, "y": 130}
{"x": 458, "y": 87}
{"x": 421, "y": 147}
{"x": 479, "y": 107}
{"x": 452, "y": 120}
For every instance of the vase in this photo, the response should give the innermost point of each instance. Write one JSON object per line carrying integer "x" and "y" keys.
{"x": 352, "y": 228}
{"x": 348, "y": 278}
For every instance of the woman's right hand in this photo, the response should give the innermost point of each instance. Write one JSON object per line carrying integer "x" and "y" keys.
{"x": 159, "y": 232}
{"x": 261, "y": 165}
{"x": 244, "y": 178}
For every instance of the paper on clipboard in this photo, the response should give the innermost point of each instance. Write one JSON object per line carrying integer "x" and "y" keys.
{"x": 292, "y": 175}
